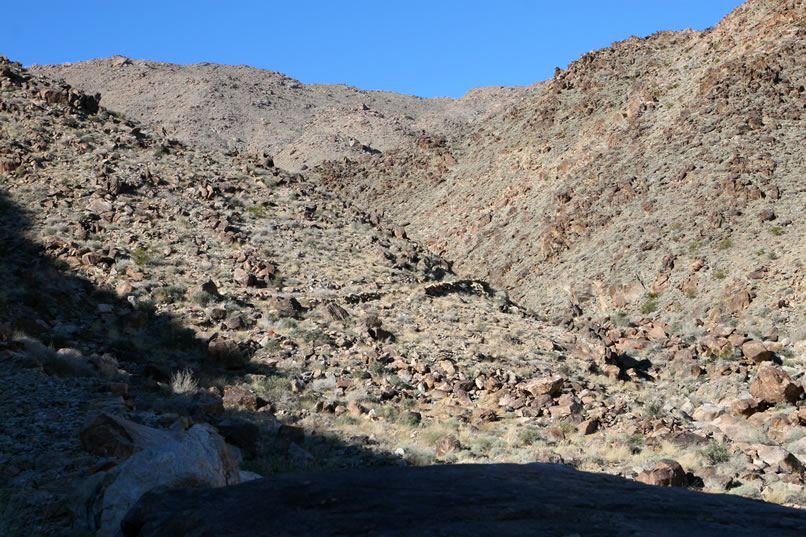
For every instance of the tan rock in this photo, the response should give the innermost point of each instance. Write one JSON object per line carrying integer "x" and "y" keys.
{"x": 780, "y": 457}
{"x": 543, "y": 386}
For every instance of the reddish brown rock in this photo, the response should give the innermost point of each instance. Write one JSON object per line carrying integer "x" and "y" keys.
{"x": 772, "y": 385}
{"x": 113, "y": 436}
{"x": 665, "y": 473}
{"x": 285, "y": 307}
{"x": 243, "y": 277}
{"x": 241, "y": 396}
{"x": 588, "y": 426}
{"x": 756, "y": 351}
{"x": 746, "y": 406}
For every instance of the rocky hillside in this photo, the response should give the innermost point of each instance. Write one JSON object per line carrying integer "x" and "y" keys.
{"x": 209, "y": 313}
{"x": 660, "y": 177}
{"x": 226, "y": 107}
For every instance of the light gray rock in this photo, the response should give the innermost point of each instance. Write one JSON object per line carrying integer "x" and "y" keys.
{"x": 199, "y": 459}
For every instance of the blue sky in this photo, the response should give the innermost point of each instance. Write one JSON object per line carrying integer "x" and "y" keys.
{"x": 419, "y": 47}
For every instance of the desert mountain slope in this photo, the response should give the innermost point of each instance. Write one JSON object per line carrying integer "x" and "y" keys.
{"x": 253, "y": 110}
{"x": 663, "y": 173}
{"x": 649, "y": 198}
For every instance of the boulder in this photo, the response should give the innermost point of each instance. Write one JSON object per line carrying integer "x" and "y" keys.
{"x": 241, "y": 396}
{"x": 664, "y": 473}
{"x": 285, "y": 307}
{"x": 459, "y": 500}
{"x": 243, "y": 277}
{"x": 226, "y": 354}
{"x": 197, "y": 459}
{"x": 243, "y": 434}
{"x": 772, "y": 385}
{"x": 780, "y": 458}
{"x": 543, "y": 386}
{"x": 756, "y": 351}
{"x": 111, "y": 436}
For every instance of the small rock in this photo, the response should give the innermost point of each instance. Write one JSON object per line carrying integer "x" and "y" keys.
{"x": 589, "y": 426}
{"x": 241, "y": 396}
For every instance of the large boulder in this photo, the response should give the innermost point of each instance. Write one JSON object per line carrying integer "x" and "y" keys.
{"x": 772, "y": 385}
{"x": 112, "y": 436}
{"x": 664, "y": 473}
{"x": 459, "y": 500}
{"x": 198, "y": 459}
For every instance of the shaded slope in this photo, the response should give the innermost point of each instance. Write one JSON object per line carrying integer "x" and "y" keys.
{"x": 459, "y": 500}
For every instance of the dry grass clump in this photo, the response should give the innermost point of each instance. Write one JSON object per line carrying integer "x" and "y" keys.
{"x": 182, "y": 382}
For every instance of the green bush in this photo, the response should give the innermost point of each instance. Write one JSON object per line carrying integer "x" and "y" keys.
{"x": 649, "y": 306}
{"x": 716, "y": 453}
{"x": 203, "y": 298}
{"x": 529, "y": 436}
{"x": 141, "y": 256}
{"x": 60, "y": 264}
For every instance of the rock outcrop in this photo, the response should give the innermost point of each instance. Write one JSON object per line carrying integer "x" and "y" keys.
{"x": 460, "y": 500}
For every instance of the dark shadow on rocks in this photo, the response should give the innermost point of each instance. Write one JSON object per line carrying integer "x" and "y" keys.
{"x": 457, "y": 500}
{"x": 82, "y": 330}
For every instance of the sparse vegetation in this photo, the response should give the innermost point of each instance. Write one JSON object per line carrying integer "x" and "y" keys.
{"x": 716, "y": 453}
{"x": 183, "y": 383}
{"x": 649, "y": 306}
{"x": 725, "y": 244}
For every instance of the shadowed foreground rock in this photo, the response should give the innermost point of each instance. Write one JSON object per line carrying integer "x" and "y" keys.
{"x": 534, "y": 499}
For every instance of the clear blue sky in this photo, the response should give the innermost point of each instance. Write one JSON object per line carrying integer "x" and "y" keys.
{"x": 421, "y": 47}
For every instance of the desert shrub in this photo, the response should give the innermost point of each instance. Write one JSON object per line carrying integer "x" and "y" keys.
{"x": 649, "y": 306}
{"x": 176, "y": 335}
{"x": 203, "y": 298}
{"x": 619, "y": 318}
{"x": 653, "y": 410}
{"x": 141, "y": 256}
{"x": 529, "y": 436}
{"x": 60, "y": 264}
{"x": 716, "y": 453}
{"x": 148, "y": 307}
{"x": 170, "y": 293}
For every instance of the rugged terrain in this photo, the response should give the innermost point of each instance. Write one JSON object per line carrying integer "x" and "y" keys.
{"x": 659, "y": 177}
{"x": 605, "y": 273}
{"x": 227, "y": 107}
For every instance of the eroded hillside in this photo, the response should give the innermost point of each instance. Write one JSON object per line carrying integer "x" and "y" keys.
{"x": 660, "y": 177}
{"x": 606, "y": 273}
{"x": 226, "y": 107}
